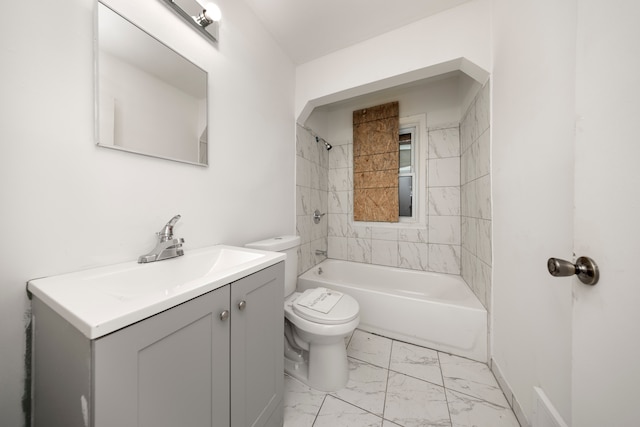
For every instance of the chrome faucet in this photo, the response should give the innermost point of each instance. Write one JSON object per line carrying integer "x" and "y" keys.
{"x": 167, "y": 246}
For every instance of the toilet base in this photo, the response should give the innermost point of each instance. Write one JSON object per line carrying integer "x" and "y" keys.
{"x": 324, "y": 367}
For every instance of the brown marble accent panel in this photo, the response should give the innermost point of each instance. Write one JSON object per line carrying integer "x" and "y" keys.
{"x": 375, "y": 163}
{"x": 376, "y": 204}
{"x": 376, "y": 179}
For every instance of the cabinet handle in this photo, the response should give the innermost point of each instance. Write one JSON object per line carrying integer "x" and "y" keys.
{"x": 242, "y": 305}
{"x": 224, "y": 315}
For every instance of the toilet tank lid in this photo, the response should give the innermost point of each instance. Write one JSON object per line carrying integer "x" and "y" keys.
{"x": 275, "y": 244}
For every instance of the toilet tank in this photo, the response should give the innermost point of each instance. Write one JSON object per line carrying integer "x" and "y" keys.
{"x": 288, "y": 245}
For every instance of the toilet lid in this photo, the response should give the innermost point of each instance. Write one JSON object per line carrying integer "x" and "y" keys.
{"x": 345, "y": 310}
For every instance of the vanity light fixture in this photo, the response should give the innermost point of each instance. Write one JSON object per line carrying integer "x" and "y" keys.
{"x": 210, "y": 14}
{"x": 204, "y": 17}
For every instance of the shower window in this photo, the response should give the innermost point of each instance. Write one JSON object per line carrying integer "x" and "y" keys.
{"x": 406, "y": 171}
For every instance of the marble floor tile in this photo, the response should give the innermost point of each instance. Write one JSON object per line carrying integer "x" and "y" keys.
{"x": 337, "y": 413}
{"x": 421, "y": 387}
{"x": 370, "y": 348}
{"x": 366, "y": 387}
{"x": 472, "y": 378}
{"x": 301, "y": 403}
{"x": 411, "y": 402}
{"x": 416, "y": 361}
{"x": 467, "y": 411}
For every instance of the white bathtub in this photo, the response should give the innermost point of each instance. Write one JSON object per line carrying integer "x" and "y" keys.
{"x": 433, "y": 310}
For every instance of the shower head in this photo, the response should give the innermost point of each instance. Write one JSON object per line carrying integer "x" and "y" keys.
{"x": 326, "y": 144}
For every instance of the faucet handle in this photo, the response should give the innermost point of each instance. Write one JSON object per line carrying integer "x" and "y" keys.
{"x": 167, "y": 231}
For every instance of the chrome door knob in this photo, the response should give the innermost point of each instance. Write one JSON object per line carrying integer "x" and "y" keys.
{"x": 242, "y": 305}
{"x": 224, "y": 315}
{"x": 585, "y": 268}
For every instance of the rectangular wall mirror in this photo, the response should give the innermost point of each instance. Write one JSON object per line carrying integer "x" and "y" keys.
{"x": 150, "y": 100}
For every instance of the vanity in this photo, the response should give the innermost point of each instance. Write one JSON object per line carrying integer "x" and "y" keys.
{"x": 191, "y": 341}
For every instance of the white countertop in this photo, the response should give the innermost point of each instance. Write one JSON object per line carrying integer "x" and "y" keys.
{"x": 102, "y": 300}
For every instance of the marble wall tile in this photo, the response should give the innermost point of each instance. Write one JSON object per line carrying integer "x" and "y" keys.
{"x": 384, "y": 233}
{"x": 338, "y": 225}
{"x": 484, "y": 154}
{"x": 338, "y": 247}
{"x": 465, "y": 132}
{"x": 303, "y": 228}
{"x": 444, "y": 258}
{"x": 444, "y": 143}
{"x": 384, "y": 252}
{"x": 469, "y": 234}
{"x": 444, "y": 172}
{"x": 412, "y": 255}
{"x": 305, "y": 261}
{"x": 320, "y": 245}
{"x": 303, "y": 172}
{"x": 483, "y": 238}
{"x": 483, "y": 197}
{"x": 415, "y": 235}
{"x": 340, "y": 156}
{"x": 415, "y": 361}
{"x": 412, "y": 402}
{"x": 359, "y": 231}
{"x": 444, "y": 201}
{"x": 444, "y": 229}
{"x": 338, "y": 202}
{"x": 336, "y": 413}
{"x": 303, "y": 199}
{"x": 366, "y": 387}
{"x": 340, "y": 179}
{"x": 359, "y": 250}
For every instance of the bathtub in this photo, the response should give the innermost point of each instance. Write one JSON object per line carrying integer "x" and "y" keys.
{"x": 433, "y": 310}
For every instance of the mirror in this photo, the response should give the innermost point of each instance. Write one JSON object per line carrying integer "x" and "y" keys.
{"x": 150, "y": 99}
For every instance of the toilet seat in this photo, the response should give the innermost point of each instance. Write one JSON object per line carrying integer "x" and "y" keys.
{"x": 344, "y": 311}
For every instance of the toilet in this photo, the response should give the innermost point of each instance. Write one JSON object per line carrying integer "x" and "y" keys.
{"x": 317, "y": 321}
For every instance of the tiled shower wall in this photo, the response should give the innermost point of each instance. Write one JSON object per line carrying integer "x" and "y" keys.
{"x": 312, "y": 161}
{"x": 436, "y": 246}
{"x": 476, "y": 197}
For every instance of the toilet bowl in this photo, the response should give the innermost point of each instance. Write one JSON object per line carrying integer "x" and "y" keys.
{"x": 317, "y": 321}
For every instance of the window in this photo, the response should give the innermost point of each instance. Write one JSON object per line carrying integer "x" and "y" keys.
{"x": 406, "y": 170}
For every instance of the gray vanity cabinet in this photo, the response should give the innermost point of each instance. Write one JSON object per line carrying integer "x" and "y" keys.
{"x": 213, "y": 361}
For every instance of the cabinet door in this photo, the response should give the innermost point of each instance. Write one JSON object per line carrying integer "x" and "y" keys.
{"x": 170, "y": 370}
{"x": 257, "y": 361}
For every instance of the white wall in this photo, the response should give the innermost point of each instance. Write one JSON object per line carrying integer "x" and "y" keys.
{"x": 533, "y": 94}
{"x": 69, "y": 205}
{"x": 398, "y": 57}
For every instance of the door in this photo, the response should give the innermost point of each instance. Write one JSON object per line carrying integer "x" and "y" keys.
{"x": 606, "y": 317}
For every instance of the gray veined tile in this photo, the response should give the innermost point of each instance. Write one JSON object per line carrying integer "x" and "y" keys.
{"x": 387, "y": 423}
{"x": 411, "y": 402}
{"x": 472, "y": 378}
{"x": 415, "y": 361}
{"x": 370, "y": 348}
{"x": 301, "y": 403}
{"x": 336, "y": 413}
{"x": 467, "y": 411}
{"x": 366, "y": 387}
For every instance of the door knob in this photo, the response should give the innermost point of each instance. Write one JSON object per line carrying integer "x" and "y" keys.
{"x": 224, "y": 315}
{"x": 585, "y": 268}
{"x": 242, "y": 305}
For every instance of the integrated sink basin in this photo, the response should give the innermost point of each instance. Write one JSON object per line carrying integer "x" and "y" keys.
{"x": 102, "y": 300}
